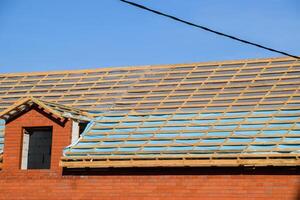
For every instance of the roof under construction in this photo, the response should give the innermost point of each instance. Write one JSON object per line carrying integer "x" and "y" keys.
{"x": 229, "y": 113}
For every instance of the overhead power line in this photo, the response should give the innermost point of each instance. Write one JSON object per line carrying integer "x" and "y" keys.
{"x": 208, "y": 29}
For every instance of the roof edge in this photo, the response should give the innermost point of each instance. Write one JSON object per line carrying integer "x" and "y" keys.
{"x": 251, "y": 160}
{"x": 26, "y": 100}
{"x": 112, "y": 68}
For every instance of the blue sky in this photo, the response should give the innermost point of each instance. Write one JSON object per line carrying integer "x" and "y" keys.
{"x": 45, "y": 35}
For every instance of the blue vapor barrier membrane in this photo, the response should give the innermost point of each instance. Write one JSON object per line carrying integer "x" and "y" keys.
{"x": 233, "y": 147}
{"x": 230, "y": 120}
{"x": 107, "y": 124}
{"x": 209, "y": 115}
{"x": 109, "y": 136}
{"x": 213, "y": 140}
{"x": 219, "y": 133}
{"x": 172, "y": 128}
{"x": 122, "y": 130}
{"x": 264, "y": 112}
{"x": 186, "y": 141}
{"x": 252, "y": 126}
{"x": 151, "y": 123}
{"x": 261, "y": 147}
{"x": 75, "y": 150}
{"x": 289, "y": 112}
{"x": 137, "y": 117}
{"x": 129, "y": 149}
{"x": 225, "y": 127}
{"x": 196, "y": 128}
{"x": 258, "y": 119}
{"x": 105, "y": 149}
{"x": 147, "y": 129}
{"x": 295, "y": 132}
{"x": 92, "y": 137}
{"x": 98, "y": 131}
{"x": 135, "y": 142}
{"x": 162, "y": 142}
{"x": 79, "y": 144}
{"x": 184, "y": 116}
{"x": 177, "y": 122}
{"x": 144, "y": 135}
{"x": 289, "y": 146}
{"x": 206, "y": 148}
{"x": 266, "y": 140}
{"x": 2, "y": 128}
{"x": 159, "y": 116}
{"x": 111, "y": 143}
{"x": 187, "y": 118}
{"x": 274, "y": 132}
{"x": 203, "y": 121}
{"x": 130, "y": 123}
{"x": 158, "y": 148}
{"x": 239, "y": 140}
{"x": 230, "y": 114}
{"x": 171, "y": 135}
{"x": 192, "y": 134}
{"x": 290, "y": 118}
{"x": 291, "y": 139}
{"x": 180, "y": 148}
{"x": 111, "y": 118}
{"x": 281, "y": 125}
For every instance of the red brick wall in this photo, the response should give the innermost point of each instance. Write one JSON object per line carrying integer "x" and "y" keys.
{"x": 50, "y": 184}
{"x": 61, "y": 138}
{"x": 211, "y": 187}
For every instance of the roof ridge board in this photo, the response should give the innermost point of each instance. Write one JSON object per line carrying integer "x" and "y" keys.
{"x": 153, "y": 66}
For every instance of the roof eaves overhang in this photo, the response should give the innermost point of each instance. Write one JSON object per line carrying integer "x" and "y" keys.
{"x": 247, "y": 160}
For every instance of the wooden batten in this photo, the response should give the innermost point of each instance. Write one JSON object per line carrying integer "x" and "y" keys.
{"x": 131, "y": 93}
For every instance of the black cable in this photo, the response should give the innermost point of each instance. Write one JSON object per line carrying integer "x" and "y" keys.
{"x": 208, "y": 29}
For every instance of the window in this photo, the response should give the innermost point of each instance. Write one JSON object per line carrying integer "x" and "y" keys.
{"x": 36, "y": 152}
{"x": 82, "y": 127}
